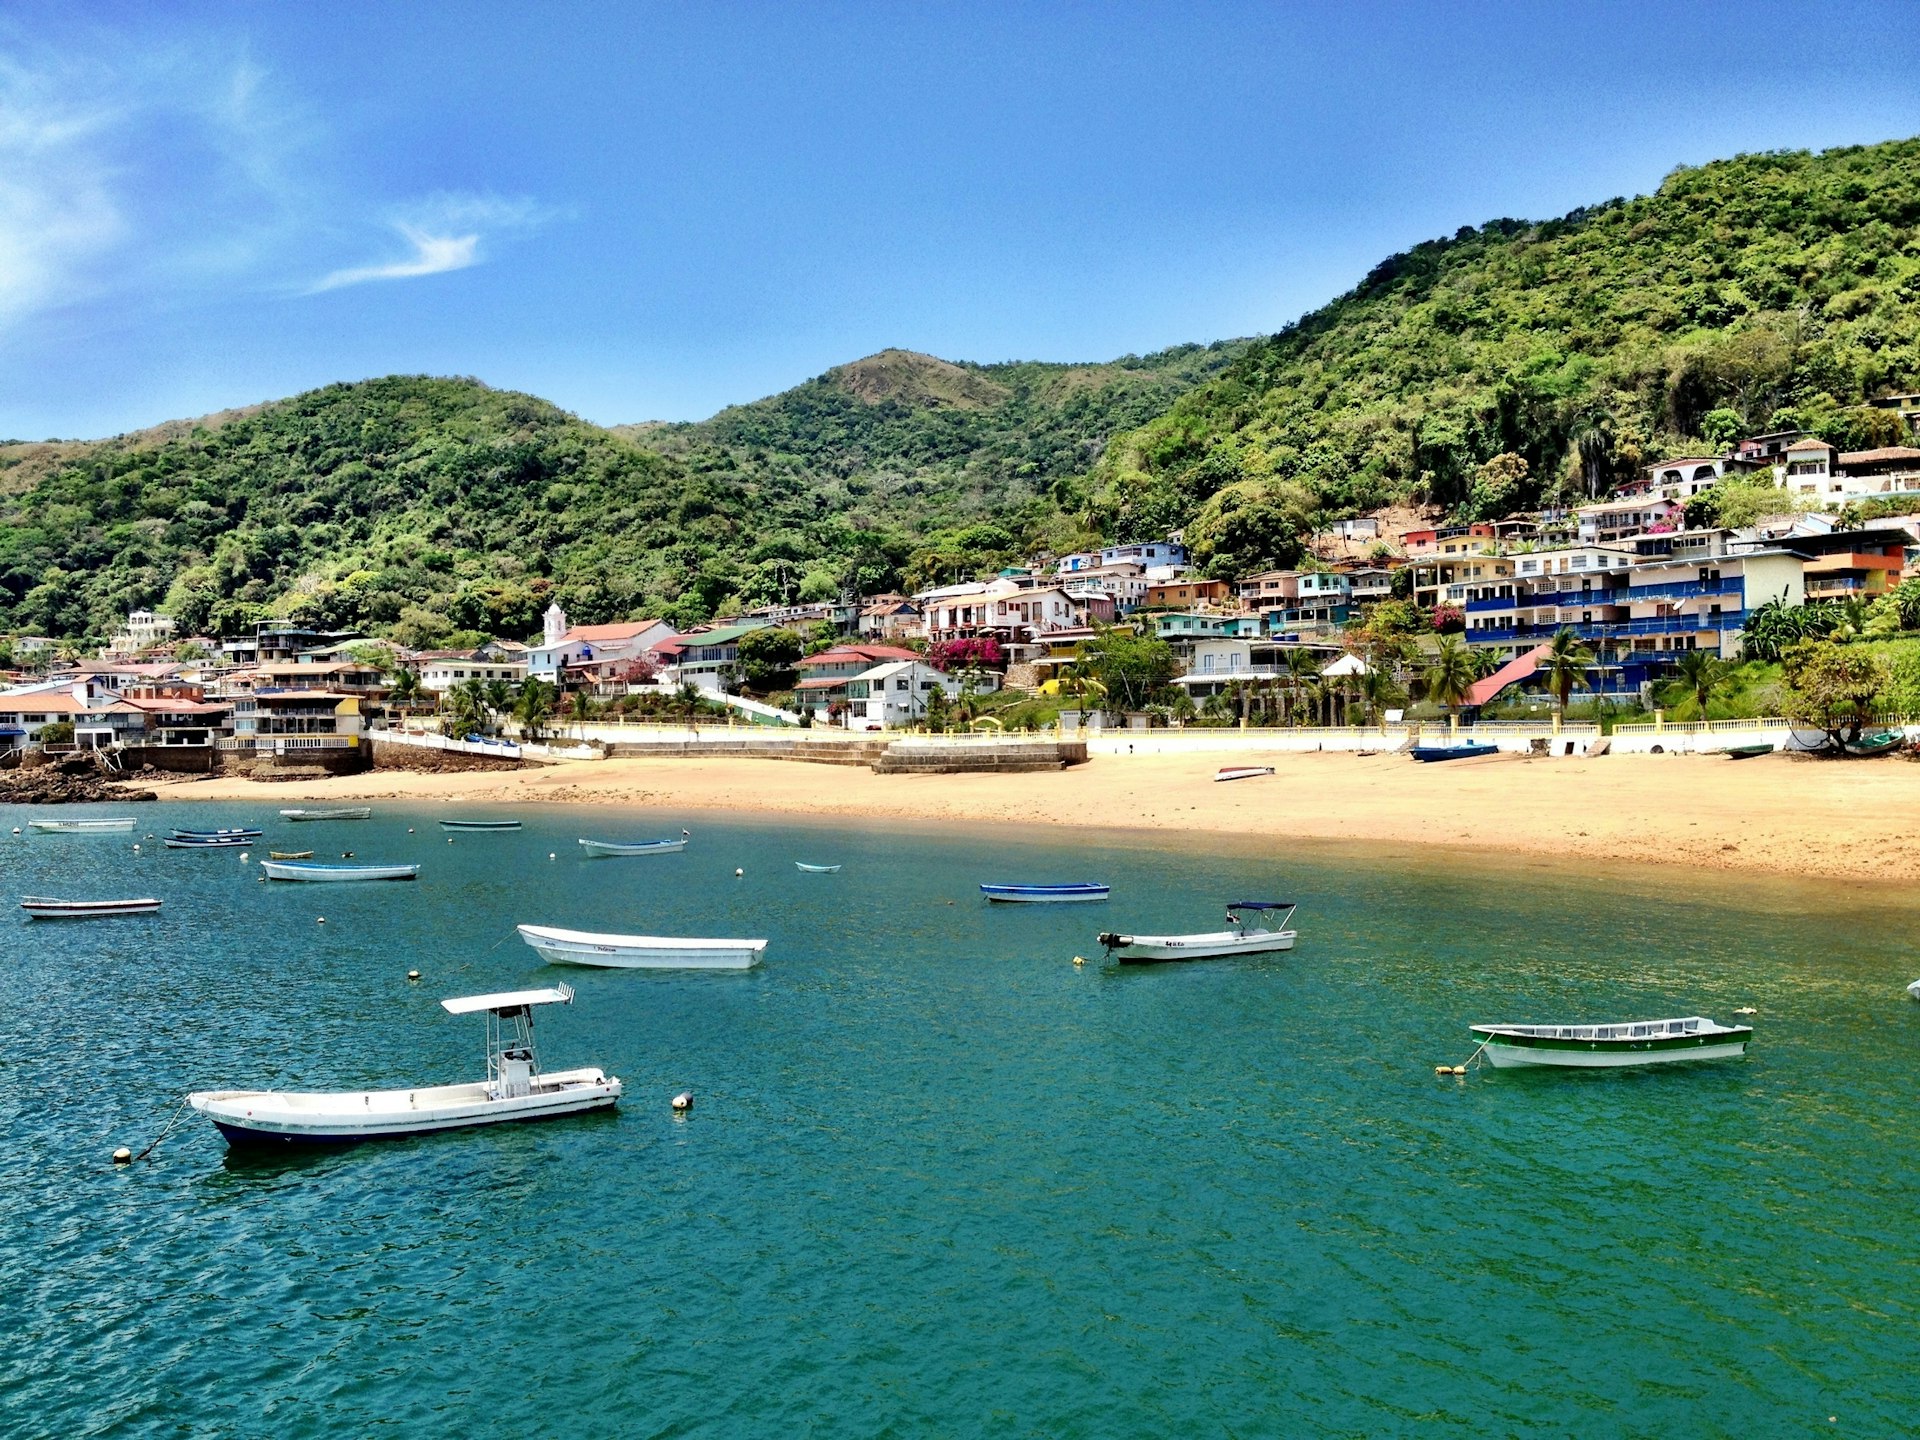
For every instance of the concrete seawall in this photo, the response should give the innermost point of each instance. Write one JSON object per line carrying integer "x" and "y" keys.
{"x": 920, "y": 755}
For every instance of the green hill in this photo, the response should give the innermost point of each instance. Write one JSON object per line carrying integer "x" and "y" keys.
{"x": 1757, "y": 293}
{"x": 1513, "y": 363}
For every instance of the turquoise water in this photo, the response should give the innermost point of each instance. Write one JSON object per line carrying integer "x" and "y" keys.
{"x": 938, "y": 1180}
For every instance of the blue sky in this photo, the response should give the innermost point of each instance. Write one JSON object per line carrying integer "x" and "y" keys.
{"x": 651, "y": 211}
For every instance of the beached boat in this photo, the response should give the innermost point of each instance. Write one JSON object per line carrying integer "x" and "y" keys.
{"x": 1431, "y": 753}
{"x": 1747, "y": 752}
{"x": 40, "y": 907}
{"x": 342, "y": 812}
{"x": 1631, "y": 1042}
{"x": 81, "y": 827}
{"x": 1242, "y": 772}
{"x": 1255, "y": 927}
{"x": 640, "y": 952}
{"x": 210, "y": 842}
{"x": 290, "y": 854}
{"x": 638, "y": 847}
{"x": 328, "y": 873}
{"x": 816, "y": 869}
{"x": 479, "y": 824}
{"x": 1044, "y": 894}
{"x": 515, "y": 1089}
{"x": 1878, "y": 742}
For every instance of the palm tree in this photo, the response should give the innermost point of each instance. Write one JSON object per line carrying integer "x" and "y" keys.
{"x": 499, "y": 696}
{"x": 580, "y": 710}
{"x": 1449, "y": 678}
{"x": 466, "y": 711}
{"x": 1379, "y": 689}
{"x": 533, "y": 705}
{"x": 1565, "y": 663}
{"x": 687, "y": 697}
{"x": 403, "y": 686}
{"x": 1303, "y": 669}
{"x": 1699, "y": 673}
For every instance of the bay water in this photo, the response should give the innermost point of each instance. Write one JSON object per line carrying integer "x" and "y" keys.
{"x": 939, "y": 1180}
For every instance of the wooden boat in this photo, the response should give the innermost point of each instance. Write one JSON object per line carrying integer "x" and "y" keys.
{"x": 39, "y": 907}
{"x": 328, "y": 873}
{"x": 806, "y": 869}
{"x": 1880, "y": 742}
{"x": 1256, "y": 927}
{"x": 640, "y": 952}
{"x": 232, "y": 832}
{"x": 1242, "y": 772}
{"x": 1746, "y": 752}
{"x": 1431, "y": 753}
{"x": 639, "y": 847}
{"x": 342, "y": 812}
{"x": 290, "y": 854}
{"x": 515, "y": 1089}
{"x": 1045, "y": 894}
{"x": 81, "y": 827}
{"x": 1631, "y": 1042}
{"x": 211, "y": 842}
{"x": 479, "y": 824}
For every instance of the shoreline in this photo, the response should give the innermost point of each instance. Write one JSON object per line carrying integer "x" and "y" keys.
{"x": 1836, "y": 820}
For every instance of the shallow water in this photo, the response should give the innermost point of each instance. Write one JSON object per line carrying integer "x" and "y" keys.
{"x": 939, "y": 1180}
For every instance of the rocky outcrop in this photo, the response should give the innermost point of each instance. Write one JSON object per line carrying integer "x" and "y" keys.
{"x": 65, "y": 784}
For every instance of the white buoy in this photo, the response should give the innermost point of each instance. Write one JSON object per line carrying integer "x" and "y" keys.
{"x": 122, "y": 1156}
{"x": 449, "y": 839}
{"x": 244, "y": 857}
{"x": 136, "y": 848}
{"x": 409, "y": 829}
{"x": 683, "y": 1101}
{"x": 321, "y": 921}
{"x": 738, "y": 873}
{"x": 552, "y": 856}
{"x": 413, "y": 975}
{"x": 1079, "y": 959}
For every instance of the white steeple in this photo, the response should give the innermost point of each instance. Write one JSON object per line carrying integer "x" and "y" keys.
{"x": 556, "y": 623}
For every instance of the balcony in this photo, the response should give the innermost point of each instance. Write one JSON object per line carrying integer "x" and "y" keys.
{"x": 1684, "y": 589}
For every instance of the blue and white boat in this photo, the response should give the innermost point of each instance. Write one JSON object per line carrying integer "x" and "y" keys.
{"x": 1045, "y": 894}
{"x": 243, "y": 832}
{"x": 1255, "y": 927}
{"x": 211, "y": 839}
{"x": 637, "y": 847}
{"x": 322, "y": 873}
{"x": 480, "y": 825}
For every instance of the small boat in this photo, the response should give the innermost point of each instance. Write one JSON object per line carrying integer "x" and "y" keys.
{"x": 1242, "y": 772}
{"x": 39, "y": 907}
{"x": 1044, "y": 894}
{"x": 343, "y": 812}
{"x": 1257, "y": 927}
{"x": 640, "y": 952}
{"x": 210, "y": 842}
{"x": 479, "y": 824}
{"x": 290, "y": 854}
{"x": 816, "y": 869}
{"x": 1914, "y": 989}
{"x": 324, "y": 873}
{"x": 1746, "y": 752}
{"x": 1632, "y": 1042}
{"x": 81, "y": 827}
{"x": 639, "y": 847}
{"x": 1879, "y": 742}
{"x": 1430, "y": 753}
{"x": 232, "y": 832}
{"x": 515, "y": 1089}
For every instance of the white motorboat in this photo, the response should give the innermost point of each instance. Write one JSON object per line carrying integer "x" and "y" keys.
{"x": 41, "y": 907}
{"x": 640, "y": 952}
{"x": 1594, "y": 1047}
{"x": 343, "y": 812}
{"x": 1257, "y": 927}
{"x": 638, "y": 847}
{"x": 515, "y": 1089}
{"x": 326, "y": 874}
{"x": 1076, "y": 894}
{"x": 81, "y": 827}
{"x": 806, "y": 869}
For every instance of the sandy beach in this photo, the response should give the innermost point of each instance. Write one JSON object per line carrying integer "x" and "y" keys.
{"x": 1782, "y": 815}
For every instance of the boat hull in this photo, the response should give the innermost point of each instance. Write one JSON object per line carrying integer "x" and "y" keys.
{"x": 86, "y": 909}
{"x": 1244, "y": 772}
{"x": 269, "y": 1118}
{"x": 608, "y": 849}
{"x": 480, "y": 824}
{"x": 1160, "y": 949}
{"x": 1430, "y": 754}
{"x": 81, "y": 827}
{"x": 336, "y": 874}
{"x": 237, "y": 842}
{"x": 1044, "y": 894}
{"x": 640, "y": 952}
{"x": 1508, "y": 1051}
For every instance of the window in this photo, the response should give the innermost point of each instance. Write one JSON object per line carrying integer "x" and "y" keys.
{"x": 901, "y": 683}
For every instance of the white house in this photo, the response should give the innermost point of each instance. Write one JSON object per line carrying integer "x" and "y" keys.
{"x": 894, "y": 695}
{"x": 143, "y": 628}
{"x": 563, "y": 644}
{"x": 439, "y": 673}
{"x": 1002, "y": 609}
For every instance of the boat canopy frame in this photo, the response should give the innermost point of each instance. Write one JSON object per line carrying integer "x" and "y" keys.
{"x": 509, "y": 1022}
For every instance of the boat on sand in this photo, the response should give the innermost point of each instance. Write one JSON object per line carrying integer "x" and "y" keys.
{"x": 1431, "y": 753}
{"x": 1255, "y": 927}
{"x": 640, "y": 952}
{"x": 515, "y": 1089}
{"x": 1611, "y": 1046}
{"x": 1243, "y": 772}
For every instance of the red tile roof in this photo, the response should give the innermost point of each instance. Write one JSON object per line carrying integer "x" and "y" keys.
{"x": 871, "y": 654}
{"x": 601, "y": 634}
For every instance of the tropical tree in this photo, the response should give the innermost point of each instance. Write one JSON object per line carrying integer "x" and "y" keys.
{"x": 465, "y": 709}
{"x": 1380, "y": 691}
{"x": 1832, "y": 688}
{"x": 1449, "y": 675}
{"x": 533, "y": 705}
{"x": 1565, "y": 664}
{"x": 1079, "y": 680}
{"x": 580, "y": 710}
{"x": 688, "y": 699}
{"x": 1303, "y": 674}
{"x": 403, "y": 686}
{"x": 499, "y": 696}
{"x": 1699, "y": 673}
{"x": 1131, "y": 666}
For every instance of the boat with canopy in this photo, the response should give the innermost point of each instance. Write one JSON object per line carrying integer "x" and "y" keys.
{"x": 326, "y": 873}
{"x": 40, "y": 907}
{"x": 515, "y": 1089}
{"x": 1045, "y": 894}
{"x": 1255, "y": 927}
{"x": 480, "y": 824}
{"x": 81, "y": 827}
{"x": 640, "y": 952}
{"x": 341, "y": 812}
{"x": 1598, "y": 1047}
{"x": 599, "y": 848}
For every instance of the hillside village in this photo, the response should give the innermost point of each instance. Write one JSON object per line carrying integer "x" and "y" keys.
{"x": 1130, "y": 634}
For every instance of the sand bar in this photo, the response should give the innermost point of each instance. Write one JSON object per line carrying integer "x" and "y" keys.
{"x": 1779, "y": 814}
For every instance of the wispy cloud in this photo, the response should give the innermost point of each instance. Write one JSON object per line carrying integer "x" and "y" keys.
{"x": 431, "y": 228}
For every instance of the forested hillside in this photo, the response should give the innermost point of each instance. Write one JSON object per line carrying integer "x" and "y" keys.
{"x": 1513, "y": 362}
{"x": 1519, "y": 360}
